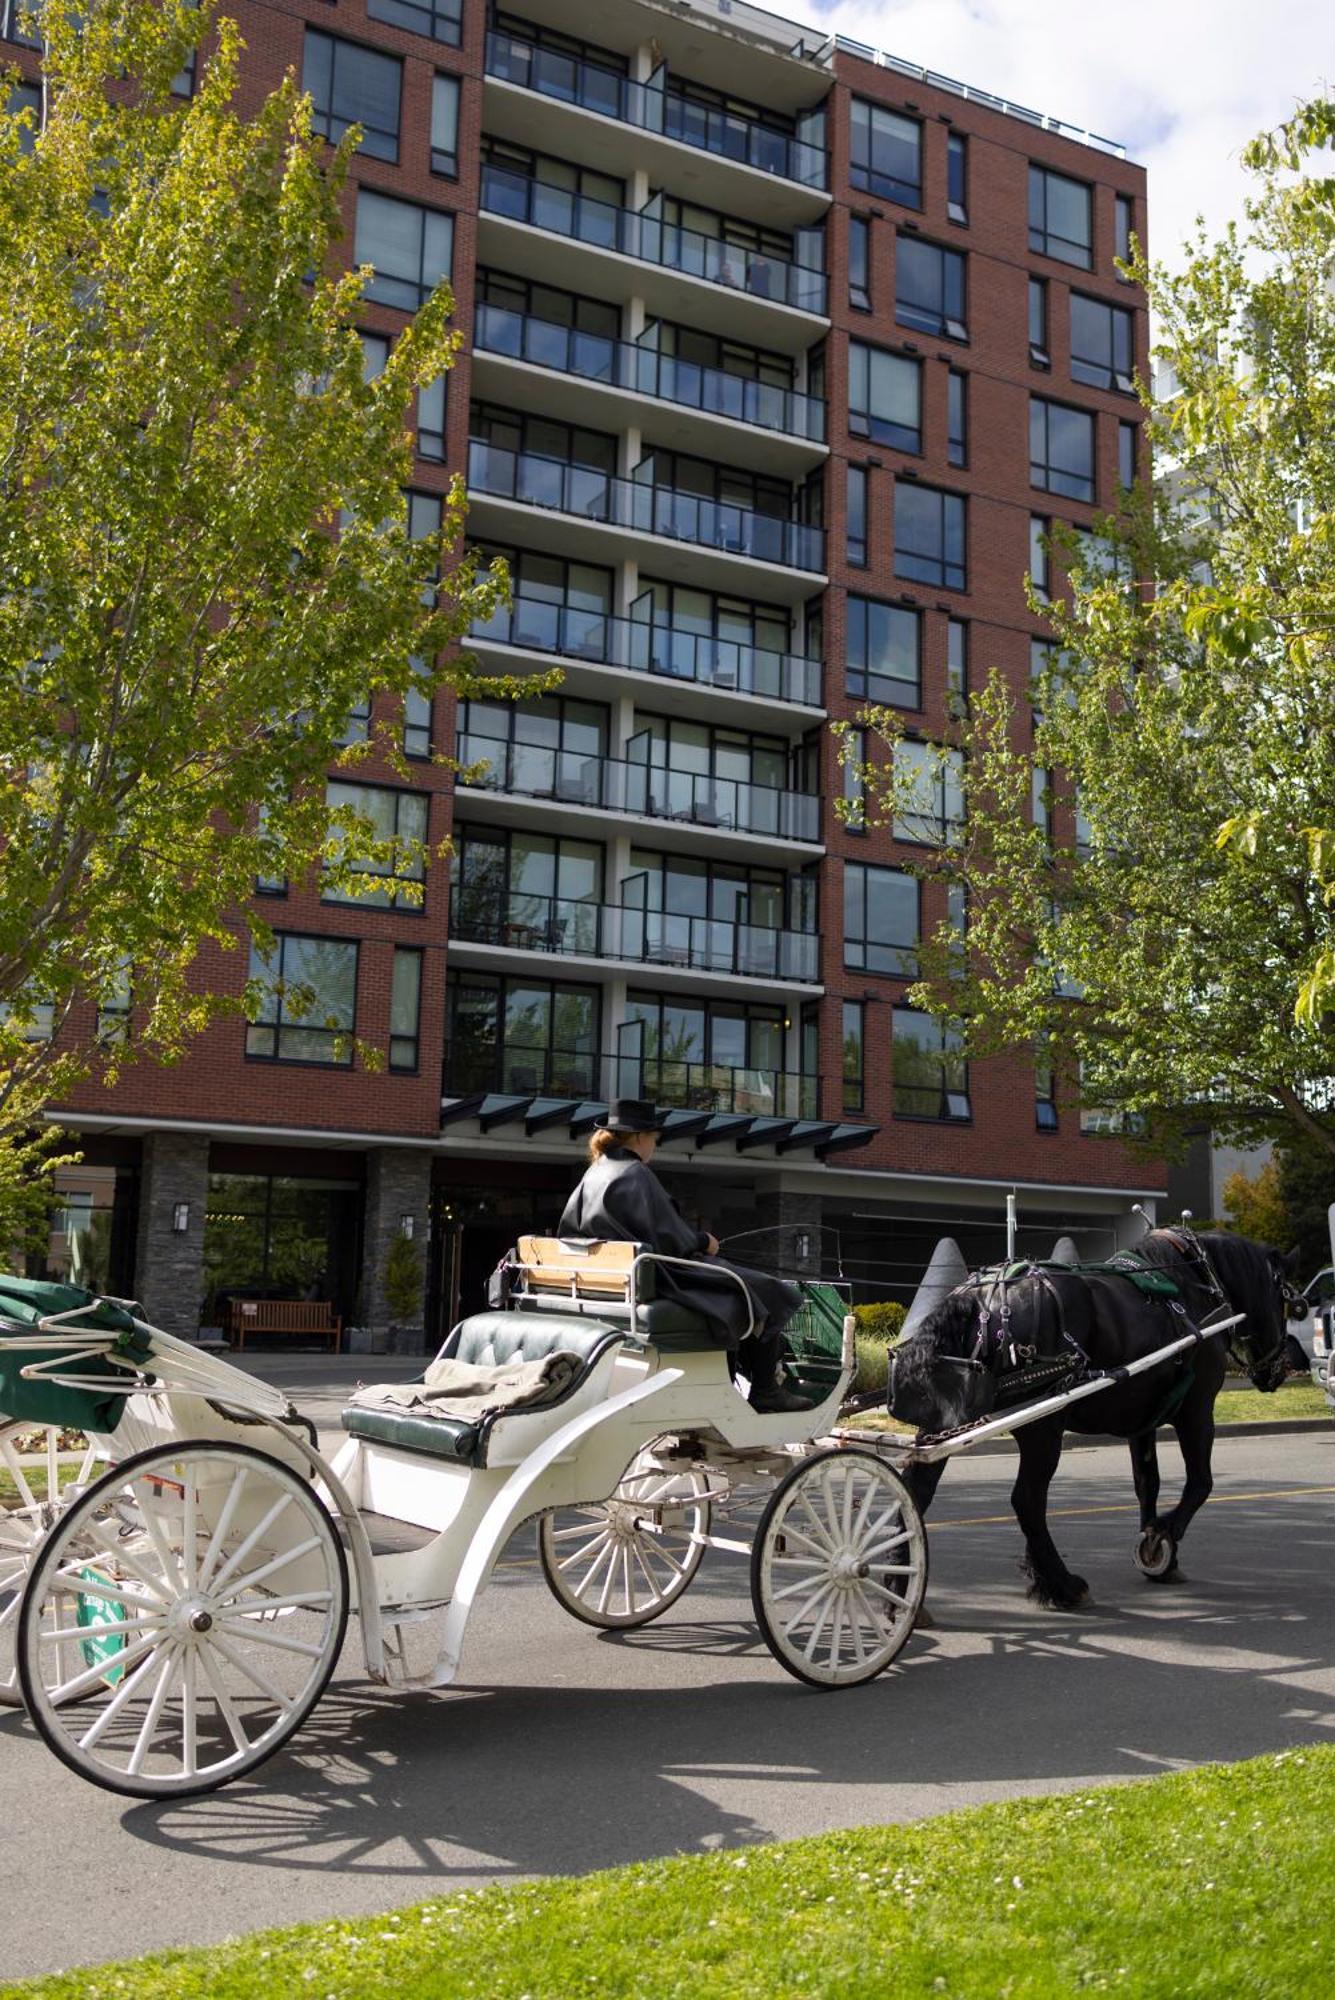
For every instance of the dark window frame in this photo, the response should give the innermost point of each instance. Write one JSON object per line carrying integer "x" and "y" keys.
{"x": 378, "y": 142}
{"x": 381, "y": 283}
{"x": 863, "y": 682}
{"x": 859, "y": 263}
{"x": 1105, "y": 363}
{"x": 914, "y": 565}
{"x": 863, "y": 421}
{"x": 945, "y": 1090}
{"x": 853, "y": 1074}
{"x": 1063, "y": 478}
{"x": 863, "y": 173}
{"x": 304, "y": 1023}
{"x": 932, "y": 315}
{"x": 857, "y": 514}
{"x": 402, "y": 954}
{"x": 873, "y": 955}
{"x": 438, "y": 20}
{"x": 1044, "y": 240}
{"x": 445, "y": 162}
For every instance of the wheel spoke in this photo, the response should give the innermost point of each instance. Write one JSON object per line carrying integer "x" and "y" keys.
{"x": 818, "y": 1624}
{"x": 27, "y": 1498}
{"x": 127, "y": 1688}
{"x": 189, "y": 1715}
{"x": 261, "y": 1606}
{"x": 883, "y": 1590}
{"x": 104, "y": 1540}
{"x": 260, "y": 1635}
{"x": 224, "y": 1700}
{"x": 808, "y": 1605}
{"x": 594, "y": 1542}
{"x": 274, "y": 1564}
{"x": 151, "y": 1714}
{"x": 822, "y": 1540}
{"x": 219, "y": 1536}
{"x": 256, "y": 1535}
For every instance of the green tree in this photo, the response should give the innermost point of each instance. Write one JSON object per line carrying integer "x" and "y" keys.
{"x": 1255, "y": 1204}
{"x": 1189, "y": 683}
{"x": 205, "y": 550}
{"x": 403, "y": 1279}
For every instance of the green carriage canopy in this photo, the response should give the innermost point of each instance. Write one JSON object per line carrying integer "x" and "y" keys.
{"x": 24, "y": 1302}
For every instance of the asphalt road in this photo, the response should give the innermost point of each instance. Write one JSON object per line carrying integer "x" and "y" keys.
{"x": 568, "y": 1750}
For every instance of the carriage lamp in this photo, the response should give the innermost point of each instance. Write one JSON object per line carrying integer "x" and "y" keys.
{"x": 406, "y": 1225}
{"x": 180, "y": 1218}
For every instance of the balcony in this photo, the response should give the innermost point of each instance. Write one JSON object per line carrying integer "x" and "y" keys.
{"x": 621, "y": 364}
{"x": 647, "y": 791}
{"x": 588, "y": 495}
{"x": 519, "y": 1069}
{"x": 640, "y": 234}
{"x": 516, "y": 921}
{"x": 655, "y": 107}
{"x": 667, "y": 652}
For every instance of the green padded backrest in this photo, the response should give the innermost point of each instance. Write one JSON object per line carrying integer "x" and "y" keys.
{"x": 491, "y": 1337}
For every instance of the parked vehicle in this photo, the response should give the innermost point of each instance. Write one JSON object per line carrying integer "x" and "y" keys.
{"x": 1318, "y": 1330}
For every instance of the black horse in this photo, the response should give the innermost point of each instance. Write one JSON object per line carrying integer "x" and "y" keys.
{"x": 994, "y": 1344}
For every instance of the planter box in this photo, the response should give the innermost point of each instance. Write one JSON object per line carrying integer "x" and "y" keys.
{"x": 365, "y": 1340}
{"x": 406, "y": 1339}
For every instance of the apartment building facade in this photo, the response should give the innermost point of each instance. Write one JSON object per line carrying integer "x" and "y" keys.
{"x": 758, "y": 327}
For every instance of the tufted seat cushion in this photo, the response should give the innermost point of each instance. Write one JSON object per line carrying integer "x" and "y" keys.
{"x": 486, "y": 1339}
{"x": 673, "y": 1328}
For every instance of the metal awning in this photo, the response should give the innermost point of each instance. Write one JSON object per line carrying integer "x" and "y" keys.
{"x": 503, "y": 1114}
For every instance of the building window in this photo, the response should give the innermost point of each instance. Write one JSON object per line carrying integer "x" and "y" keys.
{"x": 1060, "y": 218}
{"x": 26, "y": 97}
{"x": 417, "y": 718}
{"x": 441, "y": 19}
{"x": 113, "y": 1009}
{"x": 858, "y": 481}
{"x": 521, "y": 1035}
{"x": 1061, "y": 449}
{"x": 885, "y": 153}
{"x": 853, "y": 1063}
{"x": 884, "y": 397}
{"x": 957, "y": 177}
{"x": 1045, "y": 1085}
{"x": 853, "y": 758}
{"x": 881, "y": 920}
{"x": 431, "y": 419}
{"x": 1039, "y": 354}
{"x": 859, "y": 263}
{"x": 929, "y": 785}
{"x": 929, "y": 288}
{"x": 444, "y": 125}
{"x": 957, "y": 417}
{"x": 350, "y": 85}
{"x": 884, "y": 653}
{"x": 929, "y": 536}
{"x": 1123, "y": 223}
{"x": 1128, "y": 442}
{"x": 1101, "y": 344}
{"x": 957, "y": 666}
{"x": 357, "y": 728}
{"x": 405, "y": 1006}
{"x": 931, "y": 1077}
{"x": 375, "y": 353}
{"x": 399, "y": 826}
{"x": 1106, "y": 1121}
{"x": 1040, "y": 561}
{"x": 280, "y": 1237}
{"x": 957, "y": 921}
{"x": 410, "y": 248}
{"x": 308, "y": 1007}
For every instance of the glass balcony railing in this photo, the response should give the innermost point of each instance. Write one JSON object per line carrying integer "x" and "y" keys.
{"x": 640, "y": 233}
{"x": 569, "y": 488}
{"x": 535, "y": 770}
{"x": 668, "y": 651}
{"x": 654, "y": 107}
{"x": 519, "y": 921}
{"x": 518, "y": 1068}
{"x": 621, "y": 364}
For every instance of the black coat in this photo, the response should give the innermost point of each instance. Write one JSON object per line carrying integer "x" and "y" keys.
{"x": 621, "y": 1200}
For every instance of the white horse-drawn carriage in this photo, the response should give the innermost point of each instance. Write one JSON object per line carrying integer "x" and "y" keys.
{"x": 175, "y": 1618}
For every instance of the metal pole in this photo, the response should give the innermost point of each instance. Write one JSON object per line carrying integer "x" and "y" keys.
{"x": 1010, "y": 1227}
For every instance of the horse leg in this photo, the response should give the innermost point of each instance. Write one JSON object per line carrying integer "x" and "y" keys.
{"x": 1156, "y": 1552}
{"x": 1195, "y": 1436}
{"x": 922, "y": 1482}
{"x": 1051, "y": 1583}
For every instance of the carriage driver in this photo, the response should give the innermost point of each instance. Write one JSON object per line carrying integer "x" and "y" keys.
{"x": 621, "y": 1200}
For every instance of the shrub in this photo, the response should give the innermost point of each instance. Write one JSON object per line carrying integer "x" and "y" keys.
{"x": 403, "y": 1279}
{"x": 881, "y": 1321}
{"x": 873, "y": 1363}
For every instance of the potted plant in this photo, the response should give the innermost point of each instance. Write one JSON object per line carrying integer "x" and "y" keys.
{"x": 403, "y": 1295}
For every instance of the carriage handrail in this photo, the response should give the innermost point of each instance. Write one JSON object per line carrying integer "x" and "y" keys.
{"x": 187, "y": 1371}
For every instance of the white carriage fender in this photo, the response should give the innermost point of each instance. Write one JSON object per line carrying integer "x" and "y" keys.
{"x": 507, "y": 1511}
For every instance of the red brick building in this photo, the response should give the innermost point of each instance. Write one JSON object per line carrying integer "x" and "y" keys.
{"x": 757, "y": 329}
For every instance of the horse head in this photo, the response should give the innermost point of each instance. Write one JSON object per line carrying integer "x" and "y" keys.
{"x": 1258, "y": 1281}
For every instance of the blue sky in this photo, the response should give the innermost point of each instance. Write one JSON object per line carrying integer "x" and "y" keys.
{"x": 1183, "y": 83}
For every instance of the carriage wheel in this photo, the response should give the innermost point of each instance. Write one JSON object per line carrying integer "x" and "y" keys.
{"x": 197, "y": 1595}
{"x": 41, "y": 1486}
{"x": 839, "y": 1568}
{"x": 622, "y": 1562}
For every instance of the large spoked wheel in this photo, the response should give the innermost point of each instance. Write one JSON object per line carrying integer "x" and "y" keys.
{"x": 196, "y": 1597}
{"x": 37, "y": 1479}
{"x": 838, "y": 1568}
{"x": 621, "y": 1563}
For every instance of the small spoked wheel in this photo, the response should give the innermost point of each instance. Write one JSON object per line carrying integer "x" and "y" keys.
{"x": 182, "y": 1619}
{"x": 37, "y": 1479}
{"x": 622, "y": 1562}
{"x": 838, "y": 1568}
{"x": 1156, "y": 1554}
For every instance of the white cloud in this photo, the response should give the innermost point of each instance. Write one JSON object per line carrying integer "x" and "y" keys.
{"x": 1183, "y": 83}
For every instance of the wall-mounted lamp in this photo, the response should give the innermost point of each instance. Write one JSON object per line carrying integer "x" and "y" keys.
{"x": 406, "y": 1226}
{"x": 180, "y": 1218}
{"x": 802, "y": 1246}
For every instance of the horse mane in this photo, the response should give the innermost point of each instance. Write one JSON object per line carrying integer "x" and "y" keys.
{"x": 947, "y": 1329}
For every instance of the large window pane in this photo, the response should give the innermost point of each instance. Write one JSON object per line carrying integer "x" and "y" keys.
{"x": 880, "y": 920}
{"x": 929, "y": 536}
{"x": 405, "y": 1000}
{"x": 884, "y": 396}
{"x": 931, "y": 1078}
{"x": 1061, "y": 449}
{"x": 929, "y": 288}
{"x": 444, "y": 124}
{"x": 399, "y": 820}
{"x": 1101, "y": 344}
{"x": 441, "y": 19}
{"x": 885, "y": 153}
{"x": 884, "y": 653}
{"x": 1060, "y": 218}
{"x": 409, "y": 247}
{"x": 308, "y": 1008}
{"x": 350, "y": 85}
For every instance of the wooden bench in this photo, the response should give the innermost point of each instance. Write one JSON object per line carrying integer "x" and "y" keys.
{"x": 297, "y": 1316}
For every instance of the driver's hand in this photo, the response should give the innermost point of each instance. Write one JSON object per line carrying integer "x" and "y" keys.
{"x": 711, "y": 1246}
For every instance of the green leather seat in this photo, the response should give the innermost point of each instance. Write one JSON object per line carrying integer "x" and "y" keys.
{"x": 673, "y": 1328}
{"x": 487, "y": 1339}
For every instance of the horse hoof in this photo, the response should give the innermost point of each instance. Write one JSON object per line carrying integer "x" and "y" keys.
{"x": 1156, "y": 1555}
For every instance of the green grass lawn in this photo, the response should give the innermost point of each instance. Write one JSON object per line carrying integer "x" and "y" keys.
{"x": 1200, "y": 1886}
{"x": 1298, "y": 1398}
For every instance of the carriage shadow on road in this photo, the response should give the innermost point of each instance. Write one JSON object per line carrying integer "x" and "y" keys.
{"x": 527, "y": 1778}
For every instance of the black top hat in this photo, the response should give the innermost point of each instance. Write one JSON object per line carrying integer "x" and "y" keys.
{"x": 632, "y": 1114}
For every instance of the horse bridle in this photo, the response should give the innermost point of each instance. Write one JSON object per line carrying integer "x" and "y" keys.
{"x": 1189, "y": 1245}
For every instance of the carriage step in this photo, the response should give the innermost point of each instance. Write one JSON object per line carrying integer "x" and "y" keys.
{"x": 389, "y": 1537}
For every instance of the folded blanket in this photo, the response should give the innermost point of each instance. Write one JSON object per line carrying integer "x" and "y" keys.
{"x": 463, "y": 1389}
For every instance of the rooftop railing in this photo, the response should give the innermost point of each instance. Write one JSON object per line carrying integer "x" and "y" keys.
{"x": 640, "y": 233}
{"x": 535, "y": 770}
{"x": 518, "y": 1069}
{"x": 974, "y": 95}
{"x": 654, "y": 107}
{"x": 623, "y": 364}
{"x": 518, "y": 921}
{"x": 668, "y": 652}
{"x": 567, "y": 487}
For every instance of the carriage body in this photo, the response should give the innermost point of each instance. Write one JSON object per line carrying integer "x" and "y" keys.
{"x": 195, "y": 1597}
